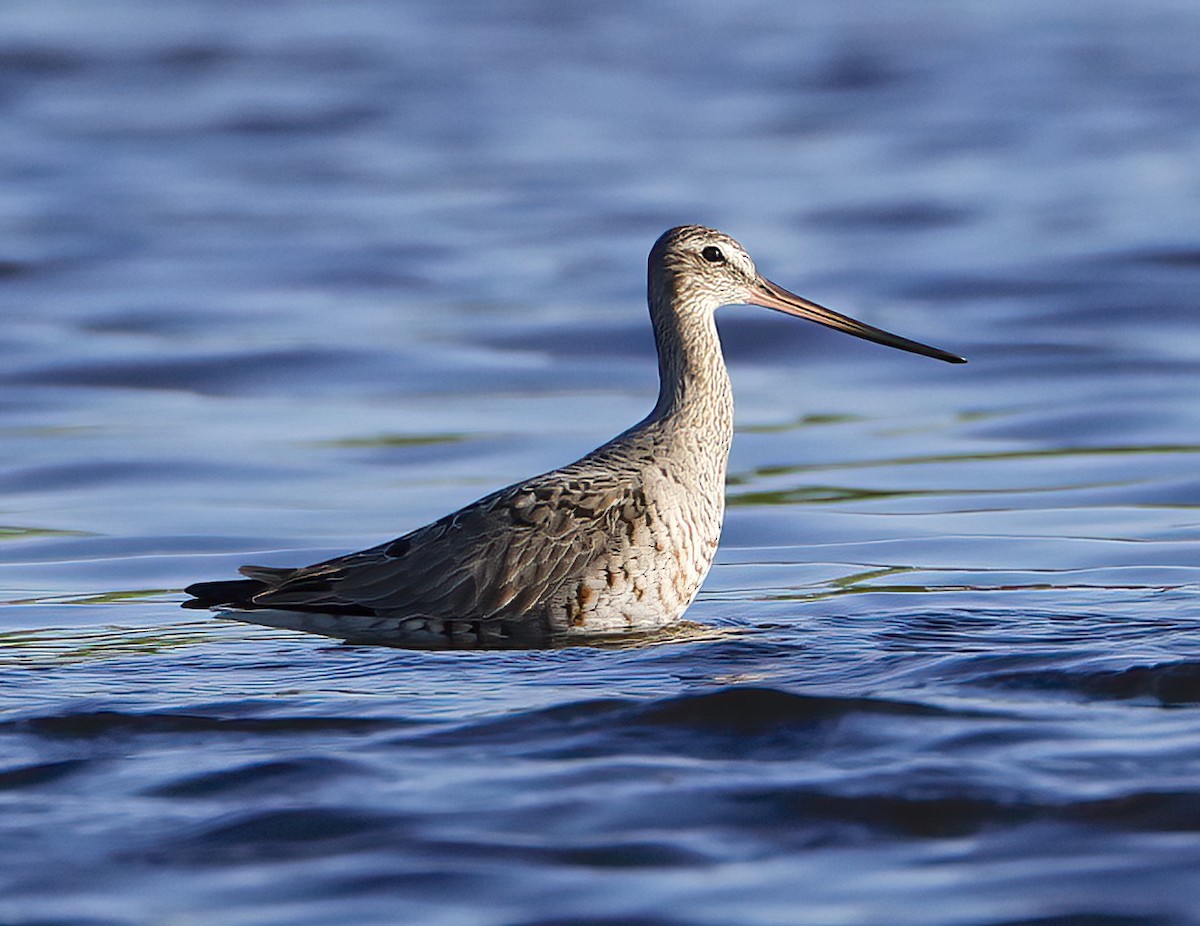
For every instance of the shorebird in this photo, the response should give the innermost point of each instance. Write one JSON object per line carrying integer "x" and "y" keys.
{"x": 615, "y": 544}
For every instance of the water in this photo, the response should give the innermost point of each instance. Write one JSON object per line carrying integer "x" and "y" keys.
{"x": 281, "y": 280}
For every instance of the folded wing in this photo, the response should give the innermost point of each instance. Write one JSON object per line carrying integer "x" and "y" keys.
{"x": 501, "y": 557}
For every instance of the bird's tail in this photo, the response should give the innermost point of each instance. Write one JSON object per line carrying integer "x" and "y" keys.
{"x": 231, "y": 593}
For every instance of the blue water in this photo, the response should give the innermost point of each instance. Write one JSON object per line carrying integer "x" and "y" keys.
{"x": 283, "y": 279}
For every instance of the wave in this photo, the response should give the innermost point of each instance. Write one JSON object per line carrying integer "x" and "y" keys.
{"x": 101, "y": 723}
{"x": 1169, "y": 683}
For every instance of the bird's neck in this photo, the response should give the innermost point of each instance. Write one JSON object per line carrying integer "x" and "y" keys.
{"x": 694, "y": 392}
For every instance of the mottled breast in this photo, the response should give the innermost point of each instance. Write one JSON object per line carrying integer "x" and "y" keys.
{"x": 661, "y": 544}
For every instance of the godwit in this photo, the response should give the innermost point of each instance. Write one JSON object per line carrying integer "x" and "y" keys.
{"x": 617, "y": 542}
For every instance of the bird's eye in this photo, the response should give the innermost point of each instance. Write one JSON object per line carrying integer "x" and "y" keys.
{"x": 713, "y": 255}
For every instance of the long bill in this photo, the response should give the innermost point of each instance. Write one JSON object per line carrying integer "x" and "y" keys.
{"x": 772, "y": 296}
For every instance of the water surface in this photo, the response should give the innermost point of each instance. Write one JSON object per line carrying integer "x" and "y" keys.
{"x": 282, "y": 280}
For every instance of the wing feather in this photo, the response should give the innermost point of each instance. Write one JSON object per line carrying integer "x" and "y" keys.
{"x": 500, "y": 557}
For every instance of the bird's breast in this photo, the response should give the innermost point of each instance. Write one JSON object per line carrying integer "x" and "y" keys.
{"x": 658, "y": 553}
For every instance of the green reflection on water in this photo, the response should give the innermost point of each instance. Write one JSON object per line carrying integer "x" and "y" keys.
{"x": 8, "y": 532}
{"x": 830, "y": 495}
{"x": 866, "y": 582}
{"x": 115, "y": 597}
{"x": 395, "y": 440}
{"x": 58, "y": 645}
{"x": 807, "y": 421}
{"x": 818, "y": 495}
{"x": 856, "y": 583}
{"x": 1112, "y": 450}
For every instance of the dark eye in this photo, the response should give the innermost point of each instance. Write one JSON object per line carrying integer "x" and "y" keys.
{"x": 713, "y": 254}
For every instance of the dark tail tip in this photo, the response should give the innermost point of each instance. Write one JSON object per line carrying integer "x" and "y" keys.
{"x": 237, "y": 593}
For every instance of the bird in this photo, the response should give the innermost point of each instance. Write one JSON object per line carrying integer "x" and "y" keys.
{"x": 615, "y": 544}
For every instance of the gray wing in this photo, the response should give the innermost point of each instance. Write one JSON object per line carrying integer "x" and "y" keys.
{"x": 499, "y": 557}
